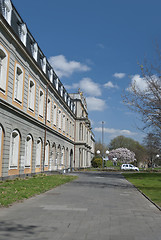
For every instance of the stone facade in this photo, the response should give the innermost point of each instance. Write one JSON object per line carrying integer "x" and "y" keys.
{"x": 42, "y": 126}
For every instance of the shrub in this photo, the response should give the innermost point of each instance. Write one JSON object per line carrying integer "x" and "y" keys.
{"x": 96, "y": 162}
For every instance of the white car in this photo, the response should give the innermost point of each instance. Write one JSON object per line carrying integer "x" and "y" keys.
{"x": 129, "y": 167}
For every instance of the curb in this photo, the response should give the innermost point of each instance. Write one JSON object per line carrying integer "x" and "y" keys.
{"x": 148, "y": 198}
{"x": 144, "y": 195}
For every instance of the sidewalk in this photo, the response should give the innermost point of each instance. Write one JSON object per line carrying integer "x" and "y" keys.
{"x": 96, "y": 206}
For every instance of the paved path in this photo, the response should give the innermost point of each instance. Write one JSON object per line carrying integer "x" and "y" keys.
{"x": 96, "y": 206}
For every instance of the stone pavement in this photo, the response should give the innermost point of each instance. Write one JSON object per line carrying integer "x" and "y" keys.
{"x": 96, "y": 206}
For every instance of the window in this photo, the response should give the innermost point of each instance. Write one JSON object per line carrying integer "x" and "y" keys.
{"x": 38, "y": 152}
{"x": 67, "y": 128}
{"x": 63, "y": 122}
{"x": 65, "y": 96}
{"x": 34, "y": 51}
{"x": 28, "y": 151}
{"x": 81, "y": 132}
{"x": 59, "y": 119}
{"x": 51, "y": 75}
{"x": 1, "y": 139}
{"x": 71, "y": 107}
{"x": 73, "y": 131}
{"x": 61, "y": 91}
{"x": 47, "y": 153}
{"x": 14, "y": 149}
{"x": 7, "y": 11}
{"x": 70, "y": 129}
{"x": 18, "y": 83}
{"x": 54, "y": 114}
{"x": 57, "y": 84}
{"x": 49, "y": 110}
{"x": 31, "y": 95}
{"x": 62, "y": 156}
{"x": 68, "y": 101}
{"x": 23, "y": 33}
{"x": 3, "y": 69}
{"x": 74, "y": 109}
{"x": 43, "y": 63}
{"x": 41, "y": 103}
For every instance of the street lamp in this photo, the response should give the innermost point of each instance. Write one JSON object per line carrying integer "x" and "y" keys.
{"x": 102, "y": 156}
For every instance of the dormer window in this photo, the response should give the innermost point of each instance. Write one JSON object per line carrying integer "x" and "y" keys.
{"x": 35, "y": 51}
{"x": 44, "y": 64}
{"x": 23, "y": 33}
{"x": 61, "y": 91}
{"x": 71, "y": 106}
{"x": 51, "y": 75}
{"x": 69, "y": 101}
{"x": 7, "y": 11}
{"x": 57, "y": 84}
{"x": 65, "y": 96}
{"x": 74, "y": 109}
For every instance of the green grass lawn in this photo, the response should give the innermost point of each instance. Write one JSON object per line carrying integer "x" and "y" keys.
{"x": 19, "y": 189}
{"x": 148, "y": 183}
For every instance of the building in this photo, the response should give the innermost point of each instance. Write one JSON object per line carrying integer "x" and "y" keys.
{"x": 42, "y": 127}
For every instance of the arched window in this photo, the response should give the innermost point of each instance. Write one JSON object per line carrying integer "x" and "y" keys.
{"x": 41, "y": 103}
{"x": 47, "y": 153}
{"x": 48, "y": 110}
{"x": 1, "y": 147}
{"x": 14, "y": 149}
{"x": 7, "y": 11}
{"x": 38, "y": 152}
{"x": 62, "y": 156}
{"x": 1, "y": 141}
{"x": 54, "y": 114}
{"x": 28, "y": 151}
{"x": 3, "y": 69}
{"x": 31, "y": 95}
{"x": 18, "y": 85}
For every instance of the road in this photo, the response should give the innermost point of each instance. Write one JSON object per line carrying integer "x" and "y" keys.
{"x": 96, "y": 206}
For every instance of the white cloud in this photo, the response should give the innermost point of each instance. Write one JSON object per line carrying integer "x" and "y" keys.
{"x": 66, "y": 68}
{"x": 139, "y": 82}
{"x": 115, "y": 132}
{"x": 110, "y": 85}
{"x": 73, "y": 86}
{"x": 86, "y": 85}
{"x": 89, "y": 87}
{"x": 95, "y": 104}
{"x": 119, "y": 75}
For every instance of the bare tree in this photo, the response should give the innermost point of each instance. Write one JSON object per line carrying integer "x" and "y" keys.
{"x": 146, "y": 98}
{"x": 152, "y": 144}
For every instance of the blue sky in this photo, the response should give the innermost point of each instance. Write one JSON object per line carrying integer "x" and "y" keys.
{"x": 96, "y": 45}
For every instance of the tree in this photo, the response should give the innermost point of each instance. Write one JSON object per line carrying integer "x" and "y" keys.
{"x": 123, "y": 155}
{"x": 132, "y": 145}
{"x": 153, "y": 146}
{"x": 144, "y": 94}
{"x": 99, "y": 146}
